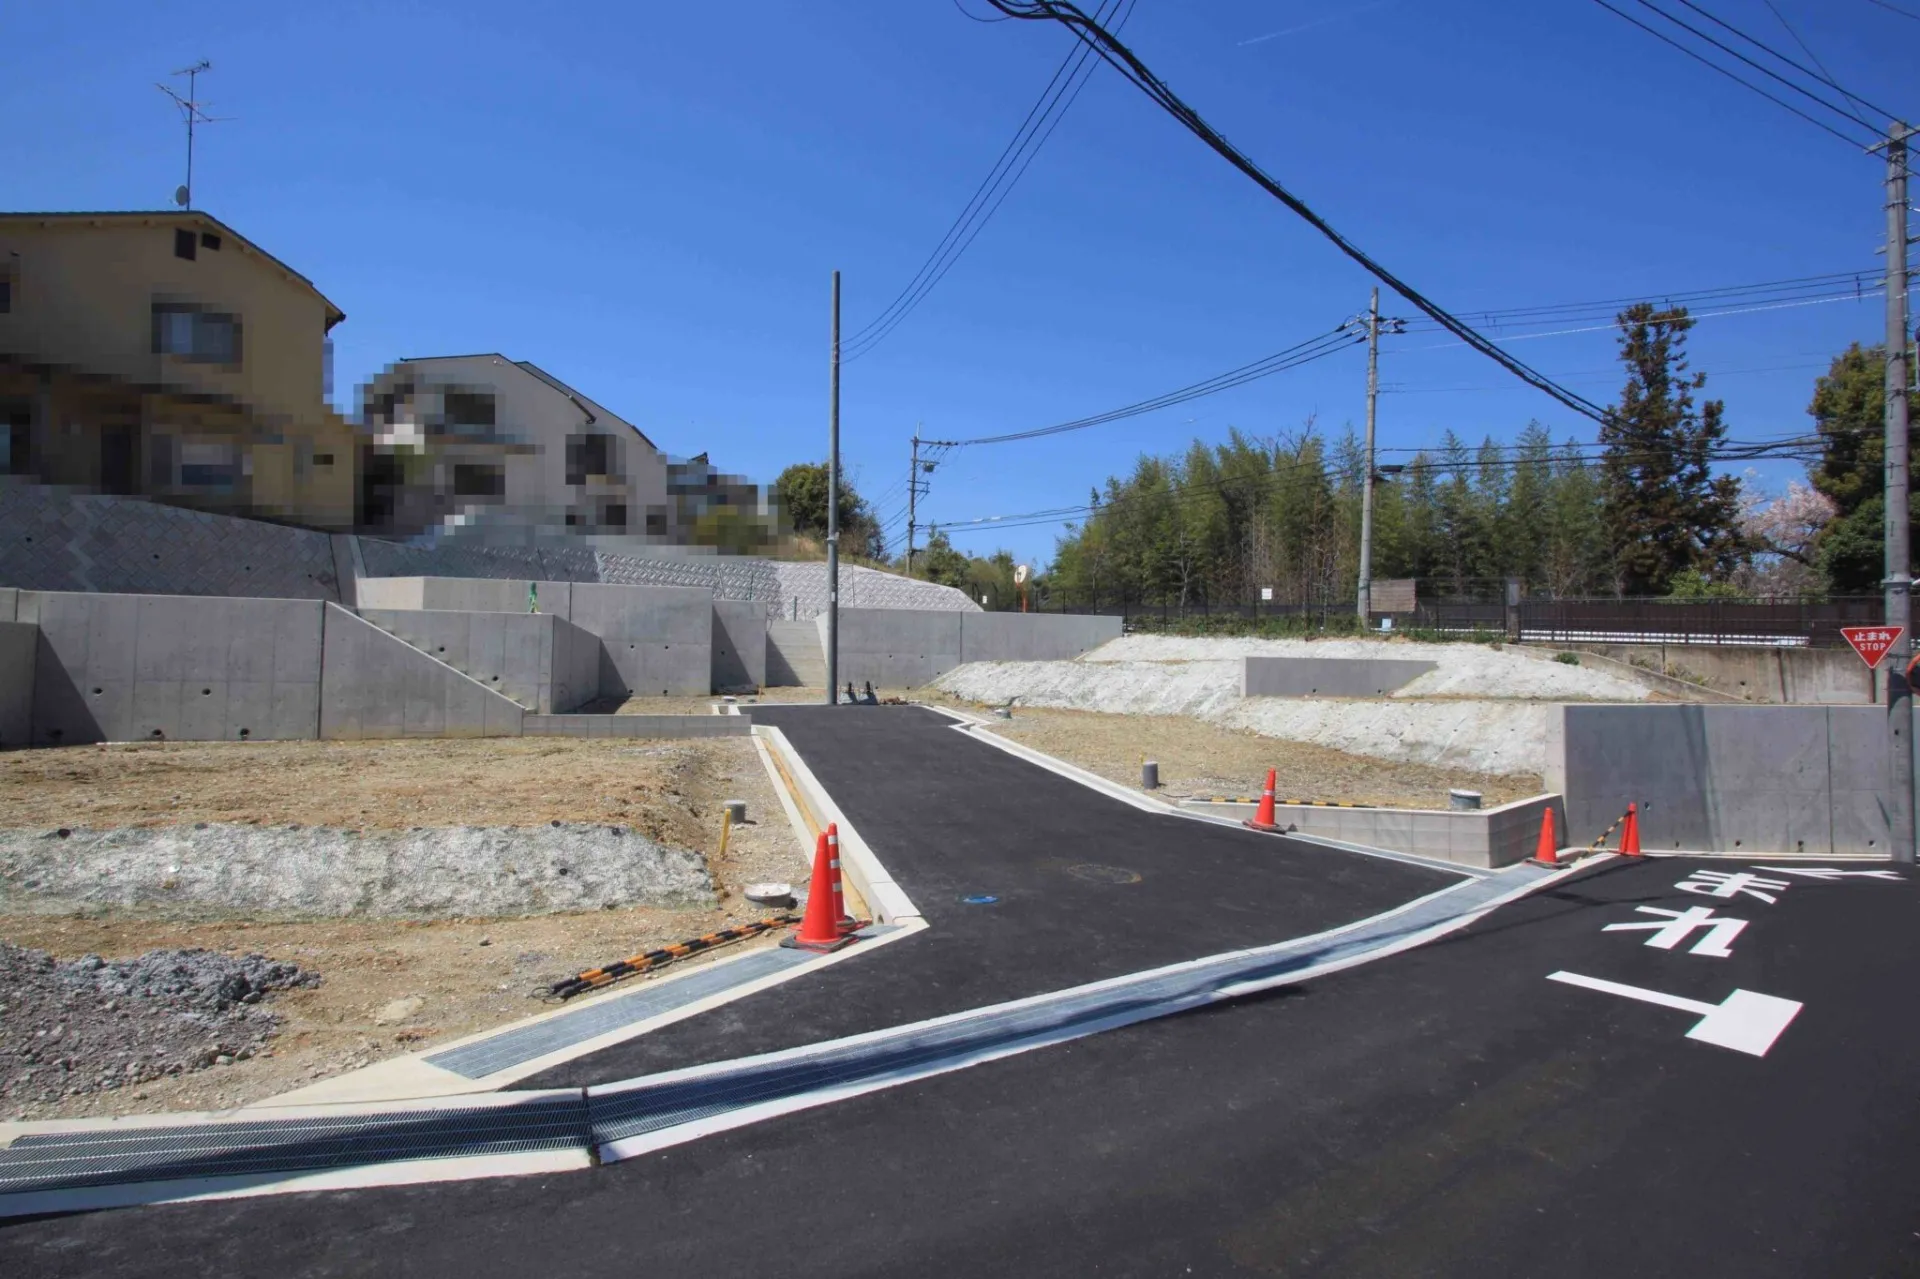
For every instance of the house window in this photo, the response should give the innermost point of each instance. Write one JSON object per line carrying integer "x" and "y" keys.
{"x": 6, "y": 295}
{"x": 473, "y": 480}
{"x": 614, "y": 516}
{"x": 588, "y": 455}
{"x": 16, "y": 439}
{"x": 205, "y": 337}
{"x": 183, "y": 244}
{"x": 657, "y": 521}
{"x": 209, "y": 467}
{"x": 208, "y": 240}
{"x": 572, "y": 519}
{"x": 323, "y": 459}
{"x": 467, "y": 408}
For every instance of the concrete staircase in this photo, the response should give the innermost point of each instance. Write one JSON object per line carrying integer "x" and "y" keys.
{"x": 794, "y": 655}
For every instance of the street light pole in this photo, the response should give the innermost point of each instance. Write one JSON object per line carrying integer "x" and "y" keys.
{"x": 1898, "y": 583}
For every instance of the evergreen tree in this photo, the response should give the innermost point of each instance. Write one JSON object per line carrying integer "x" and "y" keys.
{"x": 1665, "y": 510}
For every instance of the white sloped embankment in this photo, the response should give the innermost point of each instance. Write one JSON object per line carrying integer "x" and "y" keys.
{"x": 1494, "y": 718}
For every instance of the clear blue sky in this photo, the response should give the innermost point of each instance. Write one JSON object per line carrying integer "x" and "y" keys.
{"x": 647, "y": 200}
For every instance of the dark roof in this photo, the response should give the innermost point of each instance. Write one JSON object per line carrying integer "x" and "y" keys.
{"x": 528, "y": 366}
{"x": 334, "y": 313}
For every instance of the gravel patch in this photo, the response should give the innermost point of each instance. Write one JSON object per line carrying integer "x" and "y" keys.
{"x": 88, "y": 1026}
{"x": 209, "y": 870}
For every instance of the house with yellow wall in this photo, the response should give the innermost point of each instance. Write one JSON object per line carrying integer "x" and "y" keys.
{"x": 164, "y": 355}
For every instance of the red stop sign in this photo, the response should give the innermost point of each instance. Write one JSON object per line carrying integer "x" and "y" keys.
{"x": 1872, "y": 642}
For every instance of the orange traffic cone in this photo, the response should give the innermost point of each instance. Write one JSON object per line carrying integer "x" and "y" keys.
{"x": 1630, "y": 834}
{"x": 1263, "y": 819}
{"x": 819, "y": 927}
{"x": 841, "y": 920}
{"x": 1548, "y": 852}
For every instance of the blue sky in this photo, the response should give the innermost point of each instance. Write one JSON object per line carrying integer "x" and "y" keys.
{"x": 648, "y": 200}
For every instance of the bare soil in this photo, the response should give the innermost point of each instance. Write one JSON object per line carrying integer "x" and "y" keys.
{"x": 1200, "y": 759}
{"x": 672, "y": 790}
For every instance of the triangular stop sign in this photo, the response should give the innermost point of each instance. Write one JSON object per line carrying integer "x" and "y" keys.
{"x": 1872, "y": 642}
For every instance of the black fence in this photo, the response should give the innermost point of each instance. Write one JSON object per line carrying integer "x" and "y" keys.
{"x": 1764, "y": 622}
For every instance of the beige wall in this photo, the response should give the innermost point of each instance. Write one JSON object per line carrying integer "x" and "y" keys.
{"x": 82, "y": 300}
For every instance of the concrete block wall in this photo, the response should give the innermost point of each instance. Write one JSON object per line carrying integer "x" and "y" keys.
{"x": 19, "y": 645}
{"x": 739, "y": 645}
{"x": 150, "y": 667}
{"x": 1327, "y": 676}
{"x": 1762, "y": 779}
{"x": 1489, "y": 837}
{"x": 906, "y": 648}
{"x": 544, "y": 663}
{"x": 379, "y": 686}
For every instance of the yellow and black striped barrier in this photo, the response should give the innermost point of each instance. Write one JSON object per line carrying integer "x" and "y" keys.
{"x": 1606, "y": 834}
{"x": 594, "y": 978}
{"x": 1297, "y": 803}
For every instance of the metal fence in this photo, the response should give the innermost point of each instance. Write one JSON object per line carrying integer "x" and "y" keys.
{"x": 1790, "y": 623}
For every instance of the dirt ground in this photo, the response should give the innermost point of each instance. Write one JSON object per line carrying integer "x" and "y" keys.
{"x": 1198, "y": 758}
{"x": 372, "y": 969}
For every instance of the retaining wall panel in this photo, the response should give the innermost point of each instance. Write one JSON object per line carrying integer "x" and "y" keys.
{"x": 19, "y": 652}
{"x": 1327, "y": 676}
{"x": 739, "y": 645}
{"x": 1032, "y": 637}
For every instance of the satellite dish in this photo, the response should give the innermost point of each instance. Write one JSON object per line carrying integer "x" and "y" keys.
{"x": 181, "y": 195}
{"x": 1020, "y": 574}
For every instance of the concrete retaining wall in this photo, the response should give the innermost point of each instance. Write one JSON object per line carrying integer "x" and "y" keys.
{"x": 1791, "y": 676}
{"x": 796, "y": 658}
{"x": 379, "y": 686}
{"x": 1763, "y": 779}
{"x": 904, "y": 648}
{"x": 19, "y": 643}
{"x": 546, "y": 664}
{"x": 1327, "y": 676}
{"x": 637, "y": 725}
{"x": 739, "y": 645}
{"x": 658, "y": 639}
{"x": 1488, "y": 837}
{"x": 151, "y": 667}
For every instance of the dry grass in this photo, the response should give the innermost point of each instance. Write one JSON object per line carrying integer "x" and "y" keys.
{"x": 1197, "y": 758}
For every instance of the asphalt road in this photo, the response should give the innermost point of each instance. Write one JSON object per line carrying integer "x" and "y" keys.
{"x": 1085, "y": 887}
{"x": 1447, "y": 1111}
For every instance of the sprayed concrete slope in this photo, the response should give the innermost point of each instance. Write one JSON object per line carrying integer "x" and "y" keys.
{"x": 1493, "y": 719}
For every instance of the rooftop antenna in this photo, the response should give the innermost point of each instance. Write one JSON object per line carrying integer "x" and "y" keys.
{"x": 194, "y": 113}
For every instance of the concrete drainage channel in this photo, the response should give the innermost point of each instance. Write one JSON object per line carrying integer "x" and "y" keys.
{"x": 52, "y": 1168}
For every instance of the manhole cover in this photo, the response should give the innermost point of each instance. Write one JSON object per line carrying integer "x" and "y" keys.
{"x": 1095, "y": 873}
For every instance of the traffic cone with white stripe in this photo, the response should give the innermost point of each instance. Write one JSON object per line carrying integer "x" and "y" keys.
{"x": 1548, "y": 851}
{"x": 1630, "y": 833}
{"x": 841, "y": 920}
{"x": 820, "y": 927}
{"x": 1263, "y": 818}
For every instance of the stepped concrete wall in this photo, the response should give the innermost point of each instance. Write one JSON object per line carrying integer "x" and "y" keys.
{"x": 739, "y": 645}
{"x": 379, "y": 686}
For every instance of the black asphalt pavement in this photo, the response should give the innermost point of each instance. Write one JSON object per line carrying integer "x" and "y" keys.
{"x": 1086, "y": 887}
{"x": 1449, "y": 1111}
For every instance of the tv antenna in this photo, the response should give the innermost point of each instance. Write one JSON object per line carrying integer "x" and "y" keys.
{"x": 194, "y": 113}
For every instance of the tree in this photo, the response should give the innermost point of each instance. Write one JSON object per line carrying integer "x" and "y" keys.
{"x": 1784, "y": 534}
{"x": 1665, "y": 510}
{"x": 1849, "y": 411}
{"x": 801, "y": 492}
{"x": 939, "y": 562}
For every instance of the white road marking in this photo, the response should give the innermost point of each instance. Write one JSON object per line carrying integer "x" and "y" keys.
{"x": 1744, "y": 1021}
{"x": 1679, "y": 926}
{"x": 1730, "y": 884}
{"x": 1829, "y": 872}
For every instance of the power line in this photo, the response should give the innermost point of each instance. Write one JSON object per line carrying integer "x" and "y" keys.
{"x": 1772, "y": 52}
{"x": 1825, "y": 75}
{"x": 1894, "y": 8}
{"x": 1042, "y": 118}
{"x": 1731, "y": 75}
{"x": 1292, "y": 357}
{"x": 1766, "y": 290}
{"x": 1122, "y": 59}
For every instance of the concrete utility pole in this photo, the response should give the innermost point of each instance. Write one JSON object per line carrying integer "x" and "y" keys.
{"x": 833, "y": 508}
{"x": 913, "y": 492}
{"x": 1898, "y": 584}
{"x": 1366, "y": 488}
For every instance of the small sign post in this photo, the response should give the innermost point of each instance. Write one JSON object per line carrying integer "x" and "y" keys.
{"x": 1872, "y": 642}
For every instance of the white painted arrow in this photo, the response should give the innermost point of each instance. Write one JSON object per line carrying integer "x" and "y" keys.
{"x": 1829, "y": 872}
{"x": 1744, "y": 1021}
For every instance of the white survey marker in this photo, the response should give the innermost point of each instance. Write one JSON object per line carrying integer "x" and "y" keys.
{"x": 1744, "y": 1021}
{"x": 1829, "y": 872}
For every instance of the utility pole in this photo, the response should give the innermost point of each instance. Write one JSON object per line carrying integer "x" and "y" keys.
{"x": 1366, "y": 488}
{"x": 191, "y": 109}
{"x": 1898, "y": 584}
{"x": 913, "y": 492}
{"x": 833, "y": 508}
